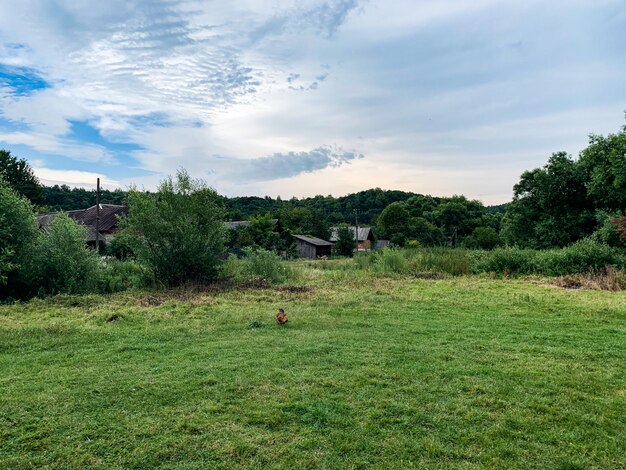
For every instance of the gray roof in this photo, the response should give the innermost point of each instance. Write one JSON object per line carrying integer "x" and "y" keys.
{"x": 109, "y": 216}
{"x": 313, "y": 240}
{"x": 364, "y": 233}
{"x": 243, "y": 223}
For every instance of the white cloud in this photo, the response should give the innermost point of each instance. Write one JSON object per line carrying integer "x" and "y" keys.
{"x": 83, "y": 179}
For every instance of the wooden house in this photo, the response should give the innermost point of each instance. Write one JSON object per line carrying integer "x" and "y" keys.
{"x": 108, "y": 225}
{"x": 365, "y": 237}
{"x": 311, "y": 247}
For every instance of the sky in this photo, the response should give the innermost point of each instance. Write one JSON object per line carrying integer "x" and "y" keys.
{"x": 306, "y": 97}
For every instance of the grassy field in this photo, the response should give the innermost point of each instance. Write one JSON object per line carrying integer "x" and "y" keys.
{"x": 385, "y": 372}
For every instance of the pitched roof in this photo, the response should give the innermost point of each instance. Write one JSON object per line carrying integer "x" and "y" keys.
{"x": 109, "y": 216}
{"x": 313, "y": 240}
{"x": 364, "y": 233}
{"x": 243, "y": 223}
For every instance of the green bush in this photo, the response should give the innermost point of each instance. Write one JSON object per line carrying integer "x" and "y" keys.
{"x": 505, "y": 261}
{"x": 17, "y": 231}
{"x": 390, "y": 260}
{"x": 60, "y": 261}
{"x": 583, "y": 256}
{"x": 121, "y": 246}
{"x": 118, "y": 276}
{"x": 485, "y": 238}
{"x": 259, "y": 264}
{"x": 345, "y": 241}
{"x": 179, "y": 230}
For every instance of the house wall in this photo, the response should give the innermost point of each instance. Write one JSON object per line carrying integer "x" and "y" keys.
{"x": 365, "y": 245}
{"x": 305, "y": 250}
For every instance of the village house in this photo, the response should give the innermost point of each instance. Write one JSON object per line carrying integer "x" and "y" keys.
{"x": 312, "y": 247}
{"x": 365, "y": 237}
{"x": 108, "y": 224}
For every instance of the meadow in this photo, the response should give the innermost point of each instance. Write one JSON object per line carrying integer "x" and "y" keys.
{"x": 370, "y": 371}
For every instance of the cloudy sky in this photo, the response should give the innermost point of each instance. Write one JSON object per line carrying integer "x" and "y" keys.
{"x": 305, "y": 97}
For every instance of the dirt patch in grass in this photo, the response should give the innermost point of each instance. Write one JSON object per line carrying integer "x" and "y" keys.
{"x": 609, "y": 279}
{"x": 295, "y": 289}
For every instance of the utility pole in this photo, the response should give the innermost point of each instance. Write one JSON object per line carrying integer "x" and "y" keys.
{"x": 356, "y": 228}
{"x": 98, "y": 216}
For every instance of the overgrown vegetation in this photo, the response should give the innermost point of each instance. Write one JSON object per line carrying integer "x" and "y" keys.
{"x": 259, "y": 264}
{"x": 60, "y": 262}
{"x": 178, "y": 231}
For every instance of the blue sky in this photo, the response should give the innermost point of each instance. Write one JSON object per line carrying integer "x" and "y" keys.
{"x": 308, "y": 97}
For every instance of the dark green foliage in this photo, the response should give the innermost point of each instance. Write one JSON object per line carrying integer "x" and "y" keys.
{"x": 60, "y": 261}
{"x": 179, "y": 230}
{"x": 620, "y": 227}
{"x": 345, "y": 244}
{"x": 458, "y": 216}
{"x": 264, "y": 233}
{"x": 550, "y": 206}
{"x": 582, "y": 256}
{"x": 485, "y": 238}
{"x": 64, "y": 198}
{"x": 18, "y": 174}
{"x": 394, "y": 223}
{"x": 17, "y": 230}
{"x": 304, "y": 221}
{"x": 603, "y": 163}
{"x": 426, "y": 233}
{"x": 121, "y": 246}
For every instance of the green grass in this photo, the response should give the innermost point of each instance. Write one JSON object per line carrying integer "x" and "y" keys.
{"x": 388, "y": 372}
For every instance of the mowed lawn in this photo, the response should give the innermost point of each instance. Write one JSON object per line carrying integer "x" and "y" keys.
{"x": 369, "y": 372}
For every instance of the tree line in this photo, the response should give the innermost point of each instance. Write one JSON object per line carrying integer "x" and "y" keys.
{"x": 566, "y": 200}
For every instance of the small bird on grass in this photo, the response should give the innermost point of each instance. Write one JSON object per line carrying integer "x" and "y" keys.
{"x": 281, "y": 317}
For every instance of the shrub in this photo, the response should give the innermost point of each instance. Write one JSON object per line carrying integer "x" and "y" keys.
{"x": 179, "y": 230}
{"x": 390, "y": 260}
{"x": 17, "y": 231}
{"x": 60, "y": 261}
{"x": 117, "y": 276}
{"x": 485, "y": 238}
{"x": 506, "y": 261}
{"x": 258, "y": 264}
{"x": 121, "y": 246}
{"x": 583, "y": 256}
{"x": 345, "y": 241}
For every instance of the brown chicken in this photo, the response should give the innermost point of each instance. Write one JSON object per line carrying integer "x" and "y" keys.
{"x": 281, "y": 317}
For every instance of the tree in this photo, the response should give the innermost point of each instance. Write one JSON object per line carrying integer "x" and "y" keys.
{"x": 458, "y": 214}
{"x": 18, "y": 174}
{"x": 345, "y": 241}
{"x": 393, "y": 223}
{"x": 179, "y": 230}
{"x": 484, "y": 238}
{"x": 603, "y": 163}
{"x": 550, "y": 207}
{"x": 17, "y": 230}
{"x": 60, "y": 261}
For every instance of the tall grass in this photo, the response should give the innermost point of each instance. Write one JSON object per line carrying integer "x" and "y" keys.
{"x": 581, "y": 257}
{"x": 259, "y": 264}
